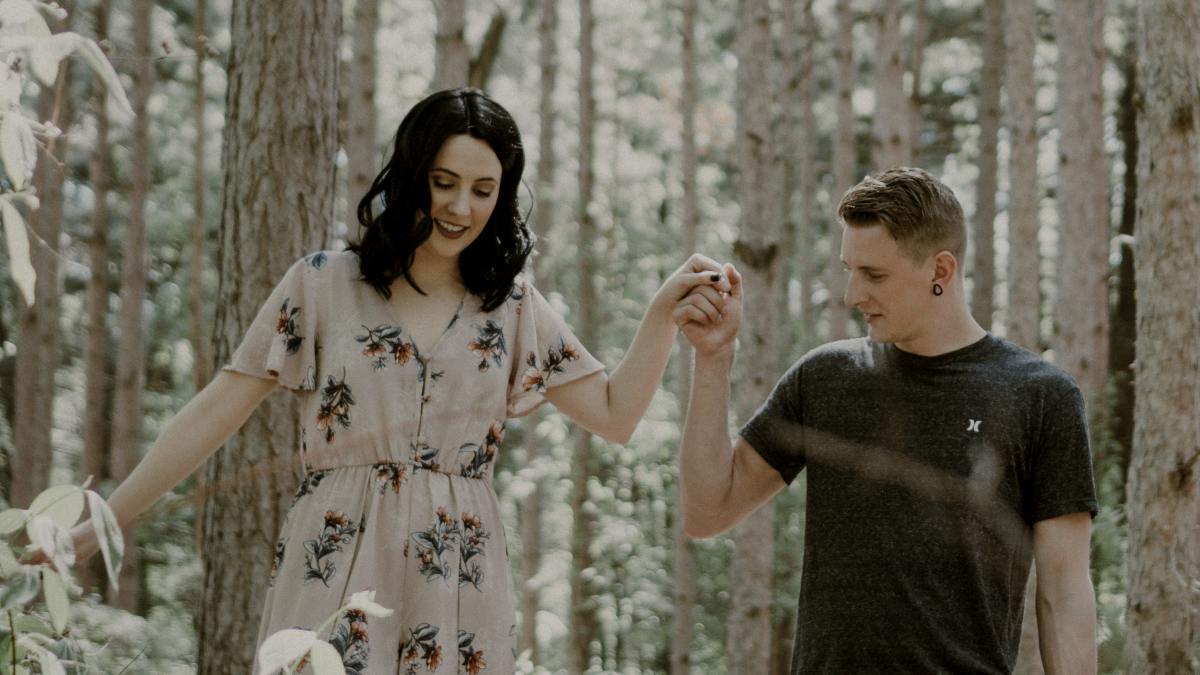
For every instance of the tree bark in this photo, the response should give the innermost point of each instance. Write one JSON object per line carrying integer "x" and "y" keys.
{"x": 916, "y": 65}
{"x": 991, "y": 77}
{"x": 683, "y": 592}
{"x": 131, "y": 375}
{"x": 892, "y": 126}
{"x": 756, "y": 251}
{"x": 37, "y": 325}
{"x": 1081, "y": 307}
{"x": 584, "y": 627}
{"x": 280, "y": 143}
{"x": 452, "y": 63}
{"x": 97, "y": 404}
{"x": 1164, "y": 499}
{"x": 360, "y": 106}
{"x": 201, "y": 336}
{"x": 844, "y": 161}
{"x": 489, "y": 49}
{"x": 1024, "y": 265}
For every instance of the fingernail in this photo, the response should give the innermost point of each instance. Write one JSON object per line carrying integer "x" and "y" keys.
{"x": 714, "y": 277}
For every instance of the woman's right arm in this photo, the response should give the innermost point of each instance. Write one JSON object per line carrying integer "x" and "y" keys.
{"x": 189, "y": 438}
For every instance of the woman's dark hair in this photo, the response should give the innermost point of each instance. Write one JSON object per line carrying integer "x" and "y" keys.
{"x": 491, "y": 263}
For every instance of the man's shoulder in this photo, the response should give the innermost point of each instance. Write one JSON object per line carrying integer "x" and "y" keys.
{"x": 853, "y": 353}
{"x": 1030, "y": 372}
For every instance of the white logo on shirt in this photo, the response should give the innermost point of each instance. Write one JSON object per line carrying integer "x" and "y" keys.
{"x": 973, "y": 425}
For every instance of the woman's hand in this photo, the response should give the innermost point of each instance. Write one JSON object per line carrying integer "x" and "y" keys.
{"x": 700, "y": 283}
{"x": 709, "y": 336}
{"x": 83, "y": 540}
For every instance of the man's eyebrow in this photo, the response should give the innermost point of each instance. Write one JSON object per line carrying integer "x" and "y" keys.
{"x": 448, "y": 171}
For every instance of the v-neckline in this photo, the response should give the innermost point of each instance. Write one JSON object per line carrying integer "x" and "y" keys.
{"x": 424, "y": 353}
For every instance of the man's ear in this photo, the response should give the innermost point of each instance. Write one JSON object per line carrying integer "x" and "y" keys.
{"x": 944, "y": 267}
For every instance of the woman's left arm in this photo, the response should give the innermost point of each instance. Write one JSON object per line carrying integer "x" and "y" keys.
{"x": 612, "y": 405}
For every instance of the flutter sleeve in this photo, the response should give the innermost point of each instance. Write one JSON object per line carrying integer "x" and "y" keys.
{"x": 280, "y": 343}
{"x": 546, "y": 353}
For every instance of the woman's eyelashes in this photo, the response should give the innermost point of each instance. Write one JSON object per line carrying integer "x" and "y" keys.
{"x": 479, "y": 192}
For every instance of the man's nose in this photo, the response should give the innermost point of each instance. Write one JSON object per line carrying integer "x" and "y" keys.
{"x": 853, "y": 295}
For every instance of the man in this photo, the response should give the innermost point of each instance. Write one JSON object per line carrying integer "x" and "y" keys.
{"x": 940, "y": 459}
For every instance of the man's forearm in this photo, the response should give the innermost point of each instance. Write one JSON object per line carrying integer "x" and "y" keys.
{"x": 706, "y": 455}
{"x": 1067, "y": 629}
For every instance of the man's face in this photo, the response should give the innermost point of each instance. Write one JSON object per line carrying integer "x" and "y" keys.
{"x": 893, "y": 292}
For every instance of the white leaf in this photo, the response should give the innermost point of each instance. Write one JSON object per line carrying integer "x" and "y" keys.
{"x": 364, "y": 601}
{"x": 283, "y": 648}
{"x": 12, "y": 520}
{"x": 325, "y": 660}
{"x": 22, "y": 18}
{"x": 21, "y": 588}
{"x": 50, "y": 663}
{"x": 56, "y": 599}
{"x": 8, "y": 561}
{"x": 10, "y": 85}
{"x": 63, "y": 503}
{"x": 47, "y": 53}
{"x": 18, "y": 149}
{"x": 108, "y": 533}
{"x": 18, "y": 250}
{"x": 55, "y": 541}
{"x": 99, "y": 63}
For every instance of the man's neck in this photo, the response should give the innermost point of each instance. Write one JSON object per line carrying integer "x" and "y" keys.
{"x": 946, "y": 335}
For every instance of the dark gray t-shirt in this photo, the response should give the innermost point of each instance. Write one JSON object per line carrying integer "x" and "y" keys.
{"x": 925, "y": 475}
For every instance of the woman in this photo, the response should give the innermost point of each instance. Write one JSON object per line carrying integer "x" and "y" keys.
{"x": 409, "y": 351}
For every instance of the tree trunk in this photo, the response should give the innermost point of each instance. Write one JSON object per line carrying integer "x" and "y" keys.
{"x": 844, "y": 161}
{"x": 489, "y": 50}
{"x": 916, "y": 65}
{"x": 360, "y": 106}
{"x": 127, "y": 398}
{"x": 756, "y": 251}
{"x": 683, "y": 591}
{"x": 1081, "y": 308}
{"x": 892, "y": 126}
{"x": 983, "y": 275}
{"x": 37, "y": 325}
{"x": 1020, "y": 84}
{"x": 96, "y": 362}
{"x": 279, "y": 148}
{"x": 543, "y": 215}
{"x": 201, "y": 336}
{"x": 584, "y": 622}
{"x": 1164, "y": 498}
{"x": 452, "y": 64}
{"x": 806, "y": 177}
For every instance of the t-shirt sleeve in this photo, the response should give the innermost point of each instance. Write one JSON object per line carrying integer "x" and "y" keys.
{"x": 776, "y": 431}
{"x": 1060, "y": 478}
{"x": 280, "y": 343}
{"x": 546, "y": 353}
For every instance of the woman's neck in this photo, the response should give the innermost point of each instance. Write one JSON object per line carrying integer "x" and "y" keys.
{"x": 432, "y": 272}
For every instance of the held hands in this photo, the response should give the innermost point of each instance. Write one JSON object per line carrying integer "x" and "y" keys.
{"x": 699, "y": 275}
{"x": 710, "y": 319}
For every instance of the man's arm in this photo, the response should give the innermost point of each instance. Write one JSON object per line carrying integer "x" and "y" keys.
{"x": 720, "y": 483}
{"x": 1066, "y": 601}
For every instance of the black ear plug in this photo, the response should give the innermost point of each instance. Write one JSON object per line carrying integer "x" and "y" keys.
{"x": 714, "y": 277}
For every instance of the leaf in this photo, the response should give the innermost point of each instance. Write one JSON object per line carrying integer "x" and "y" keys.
{"x": 56, "y": 599}
{"x": 50, "y": 663}
{"x": 99, "y": 63}
{"x": 325, "y": 660}
{"x": 11, "y": 520}
{"x": 108, "y": 533}
{"x": 55, "y": 541}
{"x": 8, "y": 561}
{"x": 18, "y": 249}
{"x": 20, "y": 17}
{"x": 18, "y": 149}
{"x": 47, "y": 53}
{"x": 283, "y": 648}
{"x": 62, "y": 503}
{"x": 364, "y": 601}
{"x": 21, "y": 588}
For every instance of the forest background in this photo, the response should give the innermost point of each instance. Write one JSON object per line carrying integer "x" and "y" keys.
{"x": 652, "y": 129}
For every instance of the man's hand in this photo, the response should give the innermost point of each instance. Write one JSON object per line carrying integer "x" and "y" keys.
{"x": 711, "y": 324}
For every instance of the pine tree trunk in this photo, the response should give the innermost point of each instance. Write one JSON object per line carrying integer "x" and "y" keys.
{"x": 1081, "y": 308}
{"x": 201, "y": 336}
{"x": 360, "y": 106}
{"x": 480, "y": 70}
{"x": 983, "y": 275}
{"x": 452, "y": 63}
{"x": 683, "y": 592}
{"x": 127, "y": 398}
{"x": 584, "y": 626}
{"x": 806, "y": 176}
{"x": 844, "y": 162}
{"x": 1020, "y": 84}
{"x": 920, "y": 35}
{"x": 283, "y": 96}
{"x": 756, "y": 253}
{"x": 1164, "y": 497}
{"x": 96, "y": 362}
{"x": 892, "y": 126}
{"x": 37, "y": 326}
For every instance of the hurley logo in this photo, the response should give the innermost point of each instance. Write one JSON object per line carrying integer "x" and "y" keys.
{"x": 973, "y": 425}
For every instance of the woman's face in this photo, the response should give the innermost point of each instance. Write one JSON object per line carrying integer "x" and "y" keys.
{"x": 464, "y": 183}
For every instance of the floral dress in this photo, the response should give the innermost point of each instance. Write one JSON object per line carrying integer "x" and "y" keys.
{"x": 399, "y": 445}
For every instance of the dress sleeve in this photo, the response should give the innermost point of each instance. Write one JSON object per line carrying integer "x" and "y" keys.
{"x": 280, "y": 343}
{"x": 546, "y": 353}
